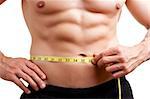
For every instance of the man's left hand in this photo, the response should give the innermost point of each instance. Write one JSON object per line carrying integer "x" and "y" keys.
{"x": 120, "y": 60}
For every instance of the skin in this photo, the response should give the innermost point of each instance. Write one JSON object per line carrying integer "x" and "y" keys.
{"x": 71, "y": 28}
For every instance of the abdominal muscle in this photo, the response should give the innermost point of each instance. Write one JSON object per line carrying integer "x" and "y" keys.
{"x": 71, "y": 35}
{"x": 72, "y": 75}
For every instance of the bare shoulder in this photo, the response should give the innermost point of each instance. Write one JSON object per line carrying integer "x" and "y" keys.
{"x": 137, "y": 2}
{"x": 1, "y": 1}
{"x": 140, "y": 10}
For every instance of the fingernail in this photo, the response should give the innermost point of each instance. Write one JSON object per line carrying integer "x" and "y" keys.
{"x": 43, "y": 86}
{"x": 43, "y": 77}
{"x": 28, "y": 92}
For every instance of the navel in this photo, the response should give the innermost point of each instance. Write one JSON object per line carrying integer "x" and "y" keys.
{"x": 83, "y": 55}
{"x": 40, "y": 4}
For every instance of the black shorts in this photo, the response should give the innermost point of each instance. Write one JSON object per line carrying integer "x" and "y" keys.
{"x": 108, "y": 90}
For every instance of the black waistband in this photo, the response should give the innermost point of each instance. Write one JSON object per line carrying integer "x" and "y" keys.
{"x": 102, "y": 88}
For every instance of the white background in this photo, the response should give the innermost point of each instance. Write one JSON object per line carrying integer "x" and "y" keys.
{"x": 15, "y": 41}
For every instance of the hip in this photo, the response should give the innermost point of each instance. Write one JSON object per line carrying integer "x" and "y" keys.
{"x": 107, "y": 90}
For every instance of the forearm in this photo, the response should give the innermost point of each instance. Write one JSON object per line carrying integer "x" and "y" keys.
{"x": 146, "y": 45}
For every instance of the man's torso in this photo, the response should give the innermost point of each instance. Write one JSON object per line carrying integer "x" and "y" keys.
{"x": 71, "y": 28}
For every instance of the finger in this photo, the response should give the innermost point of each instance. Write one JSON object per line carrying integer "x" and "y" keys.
{"x": 113, "y": 59}
{"x": 126, "y": 70}
{"x": 111, "y": 51}
{"x": 36, "y": 69}
{"x": 110, "y": 59}
{"x": 96, "y": 58}
{"x": 108, "y": 52}
{"x": 119, "y": 74}
{"x": 28, "y": 79}
{"x": 115, "y": 67}
{"x": 17, "y": 81}
{"x": 35, "y": 77}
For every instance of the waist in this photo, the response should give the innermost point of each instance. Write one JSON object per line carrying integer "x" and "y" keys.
{"x": 76, "y": 74}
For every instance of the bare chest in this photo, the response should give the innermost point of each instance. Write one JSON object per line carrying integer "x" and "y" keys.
{"x": 52, "y": 6}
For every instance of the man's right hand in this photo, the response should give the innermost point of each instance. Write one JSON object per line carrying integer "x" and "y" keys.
{"x": 12, "y": 69}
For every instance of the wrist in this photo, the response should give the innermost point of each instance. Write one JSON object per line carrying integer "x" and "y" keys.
{"x": 145, "y": 49}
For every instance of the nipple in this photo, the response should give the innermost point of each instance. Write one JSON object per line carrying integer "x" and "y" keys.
{"x": 119, "y": 4}
{"x": 40, "y": 4}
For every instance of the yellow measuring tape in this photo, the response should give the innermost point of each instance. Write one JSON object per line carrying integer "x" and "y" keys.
{"x": 70, "y": 60}
{"x": 62, "y": 59}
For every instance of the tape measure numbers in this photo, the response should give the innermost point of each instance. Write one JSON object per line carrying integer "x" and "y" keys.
{"x": 71, "y": 60}
{"x": 62, "y": 59}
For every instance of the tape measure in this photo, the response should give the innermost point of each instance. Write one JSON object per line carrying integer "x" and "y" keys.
{"x": 62, "y": 59}
{"x": 71, "y": 60}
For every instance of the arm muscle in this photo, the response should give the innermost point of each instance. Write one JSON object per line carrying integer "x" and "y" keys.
{"x": 140, "y": 9}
